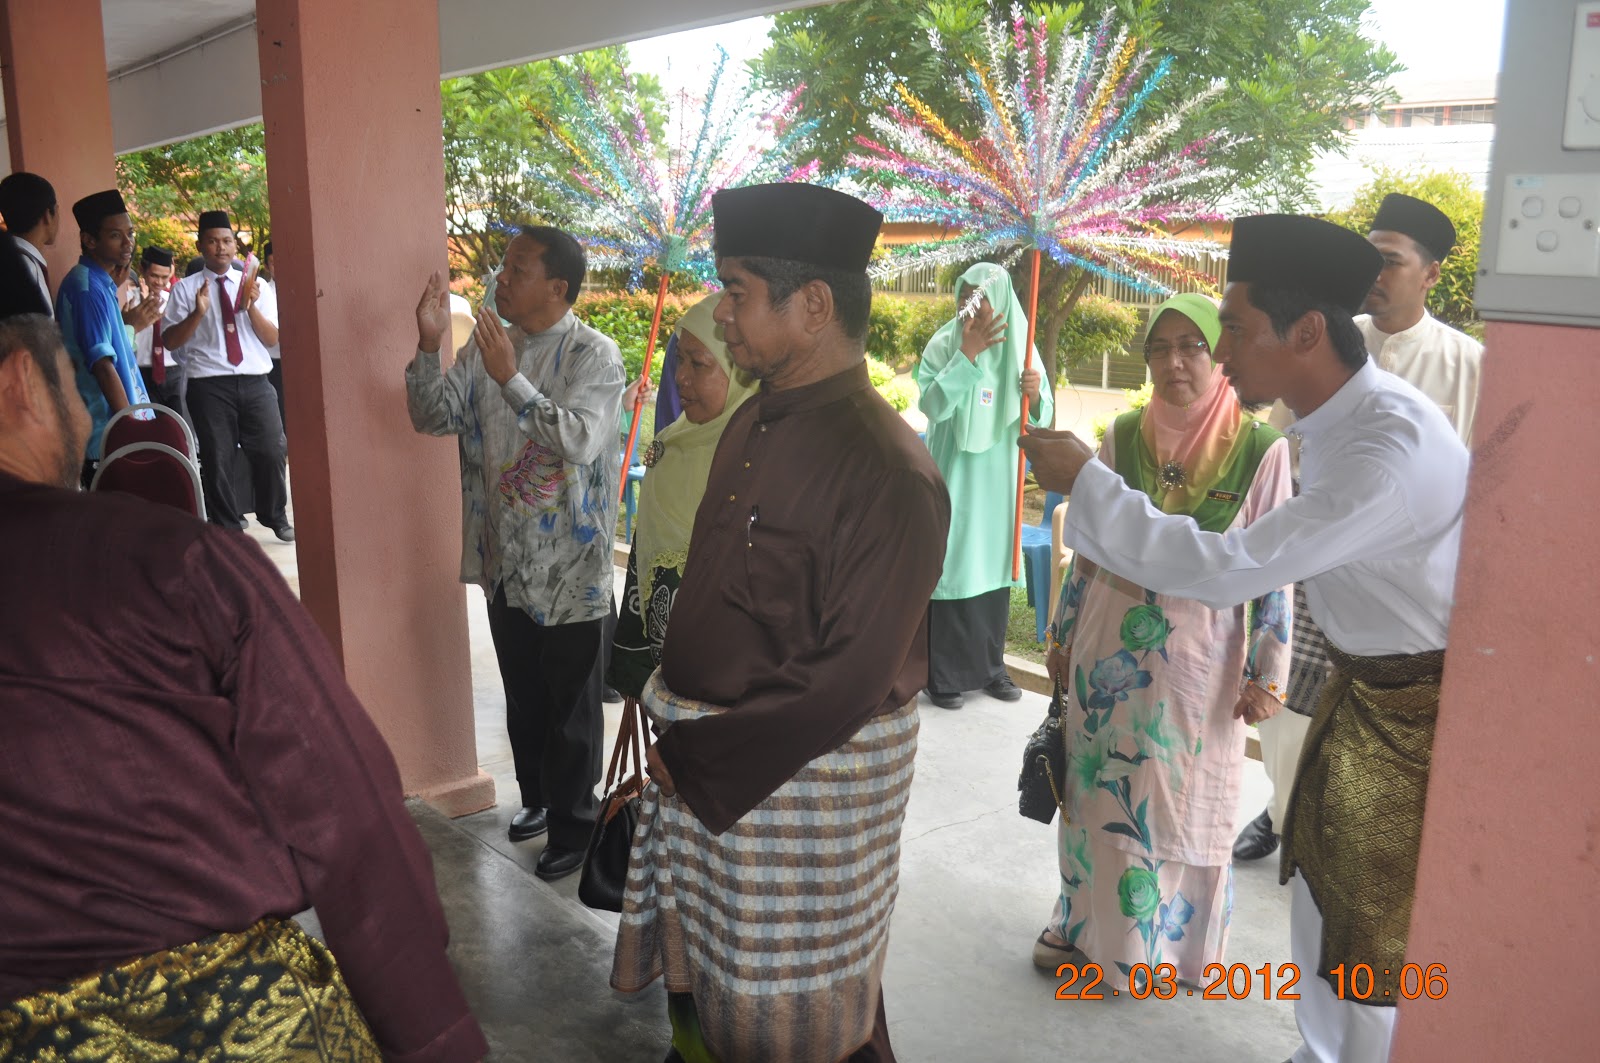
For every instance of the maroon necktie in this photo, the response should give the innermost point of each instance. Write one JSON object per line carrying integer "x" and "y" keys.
{"x": 158, "y": 355}
{"x": 230, "y": 328}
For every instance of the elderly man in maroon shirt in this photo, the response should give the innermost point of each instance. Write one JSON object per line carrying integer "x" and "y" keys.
{"x": 183, "y": 768}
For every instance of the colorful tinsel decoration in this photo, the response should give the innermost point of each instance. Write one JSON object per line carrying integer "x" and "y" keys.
{"x": 1062, "y": 163}
{"x": 635, "y": 203}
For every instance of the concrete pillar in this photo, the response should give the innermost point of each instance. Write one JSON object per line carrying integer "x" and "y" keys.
{"x": 350, "y": 98}
{"x": 58, "y": 110}
{"x": 1510, "y": 863}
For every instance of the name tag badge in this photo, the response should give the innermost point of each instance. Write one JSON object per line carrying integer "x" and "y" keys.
{"x": 1223, "y": 496}
{"x": 986, "y": 396}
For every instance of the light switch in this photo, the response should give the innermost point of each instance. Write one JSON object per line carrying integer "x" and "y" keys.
{"x": 1565, "y": 243}
{"x": 1583, "y": 81}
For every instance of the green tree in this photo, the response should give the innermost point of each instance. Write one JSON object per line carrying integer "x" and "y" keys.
{"x": 1454, "y": 193}
{"x": 219, "y": 171}
{"x": 1294, "y": 69}
{"x": 494, "y": 147}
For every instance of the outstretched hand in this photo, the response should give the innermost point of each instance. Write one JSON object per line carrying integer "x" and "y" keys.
{"x": 433, "y": 314}
{"x": 1057, "y": 458}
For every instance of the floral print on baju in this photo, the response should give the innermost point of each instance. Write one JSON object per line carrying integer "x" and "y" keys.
{"x": 1155, "y": 757}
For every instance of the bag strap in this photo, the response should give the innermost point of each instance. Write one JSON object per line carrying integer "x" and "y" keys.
{"x": 633, "y": 741}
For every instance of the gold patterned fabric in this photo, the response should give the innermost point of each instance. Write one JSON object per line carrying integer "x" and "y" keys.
{"x": 267, "y": 995}
{"x": 1355, "y": 818}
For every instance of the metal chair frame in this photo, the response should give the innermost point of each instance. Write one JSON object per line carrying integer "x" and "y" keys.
{"x": 159, "y": 448}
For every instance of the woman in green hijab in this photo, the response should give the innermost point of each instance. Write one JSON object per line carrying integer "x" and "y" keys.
{"x": 972, "y": 380}
{"x": 710, "y": 389}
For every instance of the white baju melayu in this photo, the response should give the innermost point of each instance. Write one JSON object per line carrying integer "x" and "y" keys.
{"x": 1439, "y": 361}
{"x": 1444, "y": 364}
{"x": 1374, "y": 535}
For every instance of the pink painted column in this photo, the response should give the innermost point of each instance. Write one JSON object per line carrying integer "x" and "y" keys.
{"x": 350, "y": 95}
{"x": 58, "y": 110}
{"x": 1510, "y": 872}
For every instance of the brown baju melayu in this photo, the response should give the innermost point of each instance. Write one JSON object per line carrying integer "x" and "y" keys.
{"x": 803, "y": 618}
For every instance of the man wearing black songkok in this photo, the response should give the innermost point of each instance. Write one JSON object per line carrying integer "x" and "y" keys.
{"x": 221, "y": 325}
{"x": 1414, "y": 237}
{"x": 1443, "y": 363}
{"x": 91, "y": 319}
{"x": 787, "y": 695}
{"x": 163, "y": 377}
{"x": 1373, "y": 535}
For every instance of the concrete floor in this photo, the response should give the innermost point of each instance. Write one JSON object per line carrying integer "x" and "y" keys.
{"x": 977, "y": 882}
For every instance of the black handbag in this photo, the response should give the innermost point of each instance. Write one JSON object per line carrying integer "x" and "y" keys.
{"x": 605, "y": 862}
{"x": 1044, "y": 766}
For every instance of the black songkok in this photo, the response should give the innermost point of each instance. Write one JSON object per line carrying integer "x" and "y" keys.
{"x": 796, "y": 222}
{"x": 1418, "y": 219}
{"x": 156, "y": 256}
{"x": 1325, "y": 260}
{"x": 214, "y": 219}
{"x": 94, "y": 209}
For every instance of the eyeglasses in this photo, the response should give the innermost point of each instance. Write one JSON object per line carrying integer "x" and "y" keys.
{"x": 1183, "y": 349}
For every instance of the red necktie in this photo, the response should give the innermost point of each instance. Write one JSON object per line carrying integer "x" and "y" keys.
{"x": 158, "y": 355}
{"x": 230, "y": 328}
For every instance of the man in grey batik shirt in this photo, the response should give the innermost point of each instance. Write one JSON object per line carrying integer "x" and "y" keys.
{"x": 535, "y": 408}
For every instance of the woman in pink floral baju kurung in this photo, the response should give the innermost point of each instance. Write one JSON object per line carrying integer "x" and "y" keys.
{"x": 1159, "y": 690}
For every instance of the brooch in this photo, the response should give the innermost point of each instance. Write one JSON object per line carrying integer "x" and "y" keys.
{"x": 652, "y": 453}
{"x": 1172, "y": 476}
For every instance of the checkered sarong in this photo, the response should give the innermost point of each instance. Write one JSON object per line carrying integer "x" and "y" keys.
{"x": 1309, "y": 666}
{"x": 779, "y": 925}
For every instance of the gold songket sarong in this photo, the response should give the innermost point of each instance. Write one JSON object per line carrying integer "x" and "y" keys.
{"x": 1355, "y": 817}
{"x": 268, "y": 994}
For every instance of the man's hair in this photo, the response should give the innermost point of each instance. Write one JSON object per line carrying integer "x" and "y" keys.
{"x": 1284, "y": 306}
{"x": 39, "y": 336}
{"x": 25, "y": 198}
{"x": 852, "y": 292}
{"x": 563, "y": 256}
{"x": 1428, "y": 257}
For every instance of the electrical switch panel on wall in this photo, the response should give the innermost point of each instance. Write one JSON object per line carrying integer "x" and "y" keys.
{"x": 1540, "y": 256}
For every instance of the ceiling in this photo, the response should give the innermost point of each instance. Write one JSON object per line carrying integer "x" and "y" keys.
{"x": 155, "y": 49}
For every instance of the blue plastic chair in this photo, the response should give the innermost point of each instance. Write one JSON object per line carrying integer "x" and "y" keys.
{"x": 1036, "y": 562}
{"x": 630, "y": 498}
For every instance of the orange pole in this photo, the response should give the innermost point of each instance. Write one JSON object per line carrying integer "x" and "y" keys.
{"x": 1022, "y": 459}
{"x": 649, "y": 359}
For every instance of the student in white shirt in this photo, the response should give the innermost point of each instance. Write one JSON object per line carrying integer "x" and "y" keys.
{"x": 1374, "y": 536}
{"x": 221, "y": 323}
{"x": 163, "y": 377}
{"x": 33, "y": 218}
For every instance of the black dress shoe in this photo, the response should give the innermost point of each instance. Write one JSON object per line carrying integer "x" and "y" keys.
{"x": 1002, "y": 689}
{"x": 1256, "y": 840}
{"x": 610, "y": 696}
{"x": 556, "y": 862}
{"x": 947, "y": 701}
{"x": 284, "y": 533}
{"x": 529, "y": 823}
